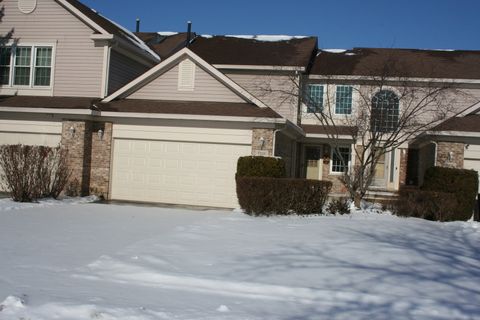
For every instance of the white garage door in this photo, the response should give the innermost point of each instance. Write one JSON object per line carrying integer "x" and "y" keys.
{"x": 177, "y": 172}
{"x": 472, "y": 159}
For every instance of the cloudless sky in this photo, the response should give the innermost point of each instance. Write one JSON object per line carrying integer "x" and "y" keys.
{"x": 431, "y": 24}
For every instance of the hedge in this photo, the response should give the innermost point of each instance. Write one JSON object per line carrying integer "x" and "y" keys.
{"x": 430, "y": 205}
{"x": 460, "y": 182}
{"x": 280, "y": 196}
{"x": 254, "y": 166}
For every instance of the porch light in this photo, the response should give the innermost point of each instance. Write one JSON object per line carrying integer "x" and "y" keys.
{"x": 262, "y": 142}
{"x": 71, "y": 131}
{"x": 100, "y": 134}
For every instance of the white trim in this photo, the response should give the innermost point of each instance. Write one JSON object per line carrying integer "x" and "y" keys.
{"x": 49, "y": 110}
{"x": 173, "y": 116}
{"x": 105, "y": 71}
{"x": 164, "y": 66}
{"x": 258, "y": 67}
{"x": 475, "y": 108}
{"x": 325, "y": 136}
{"x": 26, "y": 91}
{"x": 454, "y": 133}
{"x": 393, "y": 79}
{"x": 338, "y": 173}
{"x": 83, "y": 17}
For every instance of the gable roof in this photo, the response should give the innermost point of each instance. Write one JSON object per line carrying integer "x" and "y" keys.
{"x": 104, "y": 25}
{"x": 416, "y": 63}
{"x": 173, "y": 60}
{"x": 261, "y": 50}
{"x": 469, "y": 123}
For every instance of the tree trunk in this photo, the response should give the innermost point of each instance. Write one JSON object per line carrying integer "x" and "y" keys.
{"x": 357, "y": 199}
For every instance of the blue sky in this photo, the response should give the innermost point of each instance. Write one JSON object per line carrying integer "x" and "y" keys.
{"x": 433, "y": 24}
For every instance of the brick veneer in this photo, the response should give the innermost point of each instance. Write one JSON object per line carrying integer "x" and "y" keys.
{"x": 265, "y": 148}
{"x": 88, "y": 155}
{"x": 450, "y": 154}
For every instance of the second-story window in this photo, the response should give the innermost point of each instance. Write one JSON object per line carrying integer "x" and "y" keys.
{"x": 343, "y": 101}
{"x": 29, "y": 66}
{"x": 314, "y": 98}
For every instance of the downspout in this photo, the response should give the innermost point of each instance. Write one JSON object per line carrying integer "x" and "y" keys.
{"x": 435, "y": 153}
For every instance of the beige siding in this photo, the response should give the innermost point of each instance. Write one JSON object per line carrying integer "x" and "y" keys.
{"x": 278, "y": 91}
{"x": 206, "y": 88}
{"x": 78, "y": 63}
{"x": 122, "y": 71}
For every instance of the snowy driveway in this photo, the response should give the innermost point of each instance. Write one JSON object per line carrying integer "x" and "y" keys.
{"x": 94, "y": 261}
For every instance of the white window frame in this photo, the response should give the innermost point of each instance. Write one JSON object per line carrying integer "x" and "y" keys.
{"x": 31, "y": 89}
{"x": 324, "y": 92}
{"x": 354, "y": 89}
{"x": 331, "y": 159}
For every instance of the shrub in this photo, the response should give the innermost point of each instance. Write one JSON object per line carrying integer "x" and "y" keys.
{"x": 32, "y": 172}
{"x": 280, "y": 196}
{"x": 430, "y": 205}
{"x": 339, "y": 206}
{"x": 463, "y": 183}
{"x": 251, "y": 166}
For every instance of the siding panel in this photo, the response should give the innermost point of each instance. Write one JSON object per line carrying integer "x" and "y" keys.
{"x": 275, "y": 90}
{"x": 207, "y": 88}
{"x": 122, "y": 71}
{"x": 78, "y": 63}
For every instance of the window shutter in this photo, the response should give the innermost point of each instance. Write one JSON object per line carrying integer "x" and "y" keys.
{"x": 27, "y": 6}
{"x": 186, "y": 75}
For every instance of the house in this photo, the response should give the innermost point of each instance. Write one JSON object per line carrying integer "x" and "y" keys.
{"x": 163, "y": 117}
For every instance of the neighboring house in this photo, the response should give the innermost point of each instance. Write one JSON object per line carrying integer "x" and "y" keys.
{"x": 152, "y": 117}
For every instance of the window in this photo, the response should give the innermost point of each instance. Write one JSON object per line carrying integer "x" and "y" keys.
{"x": 43, "y": 66}
{"x": 340, "y": 159}
{"x": 23, "y": 61}
{"x": 343, "y": 101}
{"x": 315, "y": 98}
{"x": 26, "y": 66}
{"x": 5, "y": 56}
{"x": 385, "y": 111}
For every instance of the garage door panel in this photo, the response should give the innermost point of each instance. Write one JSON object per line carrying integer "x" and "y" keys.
{"x": 176, "y": 172}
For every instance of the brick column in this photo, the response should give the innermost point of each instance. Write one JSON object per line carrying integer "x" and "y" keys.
{"x": 77, "y": 138}
{"x": 100, "y": 159}
{"x": 402, "y": 174}
{"x": 450, "y": 154}
{"x": 262, "y": 142}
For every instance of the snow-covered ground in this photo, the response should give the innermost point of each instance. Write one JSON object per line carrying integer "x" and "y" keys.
{"x": 95, "y": 261}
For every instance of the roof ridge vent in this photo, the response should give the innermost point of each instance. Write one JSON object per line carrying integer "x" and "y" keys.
{"x": 27, "y": 6}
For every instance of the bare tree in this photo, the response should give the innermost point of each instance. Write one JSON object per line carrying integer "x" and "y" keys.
{"x": 388, "y": 111}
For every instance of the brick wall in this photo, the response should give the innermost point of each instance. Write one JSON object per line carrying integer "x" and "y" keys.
{"x": 264, "y": 148}
{"x": 450, "y": 154}
{"x": 100, "y": 159}
{"x": 88, "y": 156}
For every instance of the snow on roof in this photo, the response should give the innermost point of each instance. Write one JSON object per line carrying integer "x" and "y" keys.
{"x": 335, "y": 50}
{"x": 266, "y": 38}
{"x": 134, "y": 39}
{"x": 167, "y": 33}
{"x": 208, "y": 36}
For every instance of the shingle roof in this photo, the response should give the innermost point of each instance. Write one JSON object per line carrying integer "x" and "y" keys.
{"x": 47, "y": 102}
{"x": 189, "y": 107}
{"x": 469, "y": 123}
{"x": 241, "y": 51}
{"x": 141, "y": 106}
{"x": 238, "y": 50}
{"x": 111, "y": 27}
{"x": 457, "y": 64}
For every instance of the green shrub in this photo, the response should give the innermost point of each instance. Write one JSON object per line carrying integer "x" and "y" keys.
{"x": 463, "y": 183}
{"x": 339, "y": 206}
{"x": 280, "y": 196}
{"x": 430, "y": 205}
{"x": 251, "y": 166}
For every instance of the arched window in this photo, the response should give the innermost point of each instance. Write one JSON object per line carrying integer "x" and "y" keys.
{"x": 385, "y": 111}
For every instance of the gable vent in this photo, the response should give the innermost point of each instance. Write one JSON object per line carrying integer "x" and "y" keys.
{"x": 186, "y": 75}
{"x": 27, "y": 6}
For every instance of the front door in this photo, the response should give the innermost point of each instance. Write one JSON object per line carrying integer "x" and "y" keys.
{"x": 380, "y": 177}
{"x": 313, "y": 163}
